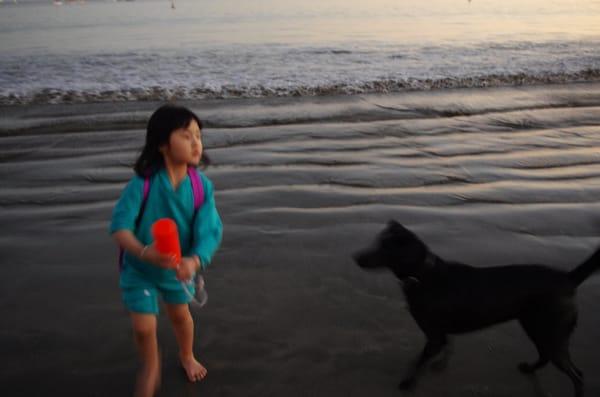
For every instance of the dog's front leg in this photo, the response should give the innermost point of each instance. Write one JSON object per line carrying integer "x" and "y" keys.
{"x": 434, "y": 345}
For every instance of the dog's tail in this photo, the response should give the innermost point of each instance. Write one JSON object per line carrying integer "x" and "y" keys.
{"x": 583, "y": 271}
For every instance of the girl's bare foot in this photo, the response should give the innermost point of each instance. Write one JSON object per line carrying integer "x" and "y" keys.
{"x": 194, "y": 370}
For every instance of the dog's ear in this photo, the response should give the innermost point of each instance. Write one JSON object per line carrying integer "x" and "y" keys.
{"x": 400, "y": 231}
{"x": 397, "y": 227}
{"x": 393, "y": 224}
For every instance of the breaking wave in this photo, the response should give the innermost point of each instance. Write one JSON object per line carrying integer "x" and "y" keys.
{"x": 179, "y": 92}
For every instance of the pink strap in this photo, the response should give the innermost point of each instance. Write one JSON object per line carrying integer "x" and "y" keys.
{"x": 146, "y": 188}
{"x": 197, "y": 187}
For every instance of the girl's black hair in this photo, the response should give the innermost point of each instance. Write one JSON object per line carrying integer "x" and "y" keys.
{"x": 163, "y": 121}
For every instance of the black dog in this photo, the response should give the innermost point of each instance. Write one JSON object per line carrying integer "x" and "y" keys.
{"x": 449, "y": 298}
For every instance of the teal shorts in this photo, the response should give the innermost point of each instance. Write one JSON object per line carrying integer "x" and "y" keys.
{"x": 140, "y": 291}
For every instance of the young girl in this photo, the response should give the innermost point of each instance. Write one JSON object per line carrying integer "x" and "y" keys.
{"x": 173, "y": 143}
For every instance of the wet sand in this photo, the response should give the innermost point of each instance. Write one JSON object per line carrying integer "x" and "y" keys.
{"x": 485, "y": 176}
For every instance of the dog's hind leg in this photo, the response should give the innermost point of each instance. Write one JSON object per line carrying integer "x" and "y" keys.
{"x": 538, "y": 336}
{"x": 550, "y": 328}
{"x": 579, "y": 372}
{"x": 441, "y": 363}
{"x": 566, "y": 366}
{"x": 435, "y": 344}
{"x": 563, "y": 362}
{"x": 527, "y": 368}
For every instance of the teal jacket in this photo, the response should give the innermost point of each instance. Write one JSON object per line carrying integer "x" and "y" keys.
{"x": 201, "y": 238}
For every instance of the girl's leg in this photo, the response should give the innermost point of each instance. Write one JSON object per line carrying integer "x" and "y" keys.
{"x": 183, "y": 325}
{"x": 144, "y": 333}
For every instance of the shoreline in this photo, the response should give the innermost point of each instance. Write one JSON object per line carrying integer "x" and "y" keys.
{"x": 280, "y": 111}
{"x": 51, "y": 96}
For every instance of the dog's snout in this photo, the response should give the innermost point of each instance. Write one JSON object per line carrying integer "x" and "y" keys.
{"x": 360, "y": 258}
{"x": 357, "y": 256}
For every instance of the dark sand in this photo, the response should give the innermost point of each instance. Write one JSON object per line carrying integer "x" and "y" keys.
{"x": 488, "y": 177}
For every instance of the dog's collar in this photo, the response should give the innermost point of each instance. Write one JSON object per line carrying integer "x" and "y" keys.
{"x": 429, "y": 262}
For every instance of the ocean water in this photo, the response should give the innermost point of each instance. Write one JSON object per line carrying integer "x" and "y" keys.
{"x": 147, "y": 50}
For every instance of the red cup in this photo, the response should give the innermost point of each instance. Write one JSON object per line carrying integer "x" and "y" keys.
{"x": 166, "y": 238}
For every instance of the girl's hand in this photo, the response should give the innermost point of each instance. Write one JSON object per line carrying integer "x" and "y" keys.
{"x": 156, "y": 258}
{"x": 186, "y": 269}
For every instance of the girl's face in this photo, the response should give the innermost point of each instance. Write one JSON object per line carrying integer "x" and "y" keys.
{"x": 185, "y": 145}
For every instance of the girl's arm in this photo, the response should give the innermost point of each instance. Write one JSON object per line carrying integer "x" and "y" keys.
{"x": 128, "y": 206}
{"x": 208, "y": 229}
{"x": 126, "y": 240}
{"x": 147, "y": 253}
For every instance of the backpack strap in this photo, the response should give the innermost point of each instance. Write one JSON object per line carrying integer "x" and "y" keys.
{"x": 197, "y": 187}
{"x": 198, "y": 191}
{"x": 146, "y": 193}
